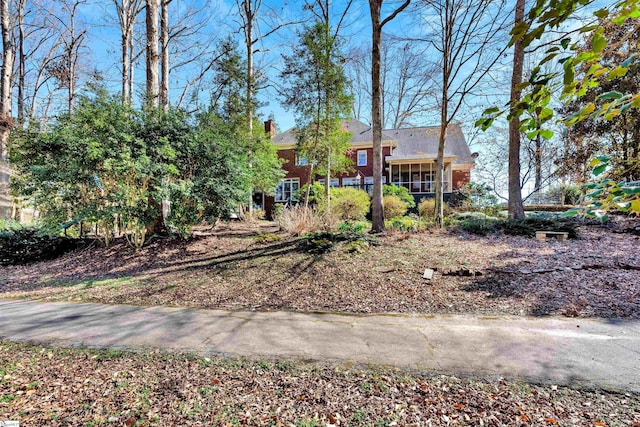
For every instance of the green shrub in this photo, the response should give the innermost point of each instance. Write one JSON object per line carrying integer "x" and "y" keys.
{"x": 427, "y": 207}
{"x": 265, "y": 238}
{"x": 401, "y": 193}
{"x": 404, "y": 223}
{"x": 393, "y": 206}
{"x": 25, "y": 245}
{"x": 349, "y": 204}
{"x": 571, "y": 194}
{"x": 316, "y": 194}
{"x": 325, "y": 241}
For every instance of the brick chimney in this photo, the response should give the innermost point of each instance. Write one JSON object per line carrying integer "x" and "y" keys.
{"x": 270, "y": 128}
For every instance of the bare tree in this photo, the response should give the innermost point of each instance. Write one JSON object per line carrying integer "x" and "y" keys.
{"x": 164, "y": 42}
{"x": 8, "y": 58}
{"x": 152, "y": 57}
{"x": 375, "y": 7}
{"x": 128, "y": 11}
{"x": 406, "y": 76}
{"x": 465, "y": 33}
{"x": 516, "y": 210}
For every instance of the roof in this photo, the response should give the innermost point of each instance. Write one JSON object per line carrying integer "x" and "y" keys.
{"x": 422, "y": 142}
{"x": 361, "y": 133}
{"x": 411, "y": 143}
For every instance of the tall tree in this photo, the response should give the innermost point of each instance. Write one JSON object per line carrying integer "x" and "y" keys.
{"x": 465, "y": 36}
{"x": 152, "y": 57}
{"x": 318, "y": 93}
{"x": 6, "y": 121}
{"x": 375, "y": 7}
{"x": 164, "y": 41}
{"x": 407, "y": 79}
{"x": 8, "y": 58}
{"x": 516, "y": 210}
{"x": 127, "y": 11}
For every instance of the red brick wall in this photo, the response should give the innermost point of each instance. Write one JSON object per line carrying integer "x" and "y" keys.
{"x": 460, "y": 178}
{"x": 302, "y": 172}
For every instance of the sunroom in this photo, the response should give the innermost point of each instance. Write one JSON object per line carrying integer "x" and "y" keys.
{"x": 418, "y": 176}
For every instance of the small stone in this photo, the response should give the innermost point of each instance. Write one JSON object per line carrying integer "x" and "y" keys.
{"x": 112, "y": 419}
{"x": 428, "y": 274}
{"x": 525, "y": 271}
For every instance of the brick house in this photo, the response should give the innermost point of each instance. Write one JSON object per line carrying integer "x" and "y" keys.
{"x": 409, "y": 161}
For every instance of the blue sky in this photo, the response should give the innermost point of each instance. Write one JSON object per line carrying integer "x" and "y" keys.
{"x": 103, "y": 43}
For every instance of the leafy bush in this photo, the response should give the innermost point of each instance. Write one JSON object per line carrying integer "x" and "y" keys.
{"x": 401, "y": 193}
{"x": 316, "y": 194}
{"x": 325, "y": 241}
{"x": 476, "y": 223}
{"x": 349, "y": 204}
{"x": 393, "y": 206}
{"x": 427, "y": 207}
{"x": 404, "y": 223}
{"x": 113, "y": 167}
{"x": 24, "y": 245}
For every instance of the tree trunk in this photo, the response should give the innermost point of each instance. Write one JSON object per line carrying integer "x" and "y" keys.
{"x": 6, "y": 121}
{"x": 537, "y": 158}
{"x": 516, "y": 210}
{"x": 125, "y": 42}
{"x": 8, "y": 57}
{"x": 377, "y": 225}
{"x": 21, "y": 61}
{"x": 164, "y": 31}
{"x": 152, "y": 52}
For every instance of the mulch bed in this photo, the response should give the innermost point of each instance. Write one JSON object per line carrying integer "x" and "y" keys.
{"x": 233, "y": 267}
{"x": 41, "y": 386}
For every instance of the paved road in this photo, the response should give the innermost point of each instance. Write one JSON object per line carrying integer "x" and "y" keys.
{"x": 593, "y": 353}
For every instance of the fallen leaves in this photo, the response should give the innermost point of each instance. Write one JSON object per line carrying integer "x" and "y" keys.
{"x": 596, "y": 276}
{"x": 164, "y": 389}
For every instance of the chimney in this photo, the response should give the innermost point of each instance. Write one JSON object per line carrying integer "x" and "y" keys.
{"x": 270, "y": 128}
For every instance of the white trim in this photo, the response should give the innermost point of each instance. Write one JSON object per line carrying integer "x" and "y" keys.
{"x": 358, "y": 153}
{"x": 282, "y": 195}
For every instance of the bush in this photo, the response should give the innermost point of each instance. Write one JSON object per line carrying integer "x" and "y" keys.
{"x": 401, "y": 193}
{"x": 349, "y": 204}
{"x": 427, "y": 207}
{"x": 393, "y": 206}
{"x": 316, "y": 194}
{"x": 299, "y": 220}
{"x": 325, "y": 241}
{"x": 404, "y": 223}
{"x": 476, "y": 223}
{"x": 25, "y": 245}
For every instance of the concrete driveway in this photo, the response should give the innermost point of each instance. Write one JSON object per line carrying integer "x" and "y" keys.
{"x": 585, "y": 352}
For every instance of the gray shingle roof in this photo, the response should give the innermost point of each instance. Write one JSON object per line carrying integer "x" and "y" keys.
{"x": 361, "y": 133}
{"x": 412, "y": 143}
{"x": 422, "y": 142}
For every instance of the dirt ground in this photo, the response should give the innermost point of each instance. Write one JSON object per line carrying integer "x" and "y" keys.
{"x": 41, "y": 386}
{"x": 255, "y": 267}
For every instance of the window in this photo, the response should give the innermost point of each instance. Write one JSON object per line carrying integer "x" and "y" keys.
{"x": 351, "y": 182}
{"x": 301, "y": 161}
{"x": 335, "y": 182}
{"x": 362, "y": 158}
{"x": 286, "y": 190}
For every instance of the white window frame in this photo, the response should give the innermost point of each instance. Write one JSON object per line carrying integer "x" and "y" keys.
{"x": 281, "y": 196}
{"x": 335, "y": 182}
{"x": 359, "y": 163}
{"x": 351, "y": 182}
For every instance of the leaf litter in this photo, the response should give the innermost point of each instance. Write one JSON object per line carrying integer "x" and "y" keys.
{"x": 597, "y": 275}
{"x": 44, "y": 386}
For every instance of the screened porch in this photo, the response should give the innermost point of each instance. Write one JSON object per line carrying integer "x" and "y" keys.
{"x": 419, "y": 178}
